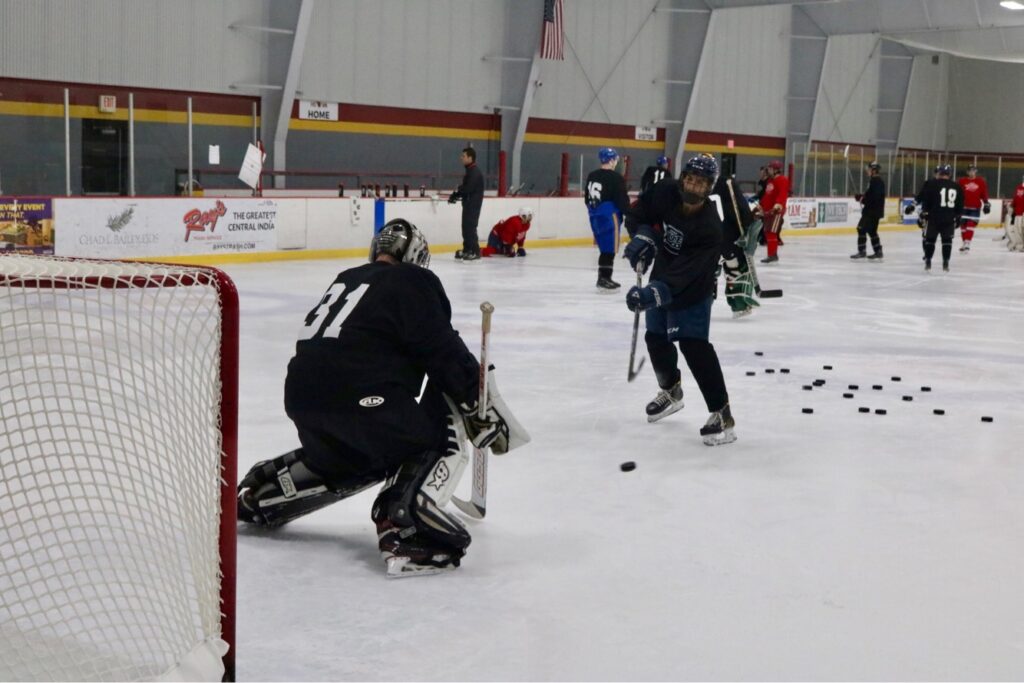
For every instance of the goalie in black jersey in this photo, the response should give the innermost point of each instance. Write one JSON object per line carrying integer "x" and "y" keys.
{"x": 351, "y": 391}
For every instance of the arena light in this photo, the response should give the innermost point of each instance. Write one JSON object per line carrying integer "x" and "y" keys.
{"x": 1012, "y": 4}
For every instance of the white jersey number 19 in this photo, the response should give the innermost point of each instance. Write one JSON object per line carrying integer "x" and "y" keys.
{"x": 947, "y": 198}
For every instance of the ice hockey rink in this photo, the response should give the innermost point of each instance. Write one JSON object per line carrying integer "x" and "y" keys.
{"x": 824, "y": 546}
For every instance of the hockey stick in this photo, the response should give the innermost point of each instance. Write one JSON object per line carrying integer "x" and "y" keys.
{"x": 636, "y": 327}
{"x": 763, "y": 293}
{"x": 476, "y": 507}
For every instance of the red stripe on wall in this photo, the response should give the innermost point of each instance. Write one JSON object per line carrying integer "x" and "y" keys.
{"x": 585, "y": 129}
{"x": 700, "y": 137}
{"x": 401, "y": 116}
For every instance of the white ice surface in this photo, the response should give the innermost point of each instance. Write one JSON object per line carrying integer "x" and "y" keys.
{"x": 828, "y": 546}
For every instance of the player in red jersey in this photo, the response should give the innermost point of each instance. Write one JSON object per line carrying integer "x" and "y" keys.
{"x": 508, "y": 236}
{"x": 773, "y": 207}
{"x": 975, "y": 201}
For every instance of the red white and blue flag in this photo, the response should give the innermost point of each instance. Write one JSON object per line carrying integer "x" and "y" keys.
{"x": 551, "y": 40}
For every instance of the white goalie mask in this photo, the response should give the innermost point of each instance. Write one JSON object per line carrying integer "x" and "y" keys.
{"x": 403, "y": 241}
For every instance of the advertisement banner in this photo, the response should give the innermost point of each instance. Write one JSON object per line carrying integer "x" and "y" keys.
{"x": 833, "y": 211}
{"x": 802, "y": 213}
{"x": 26, "y": 225}
{"x": 124, "y": 228}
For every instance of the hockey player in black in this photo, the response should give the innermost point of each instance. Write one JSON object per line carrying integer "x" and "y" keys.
{"x": 679, "y": 230}
{"x": 471, "y": 194}
{"x": 351, "y": 391}
{"x": 655, "y": 174}
{"x": 607, "y": 203}
{"x": 873, "y": 203}
{"x": 942, "y": 203}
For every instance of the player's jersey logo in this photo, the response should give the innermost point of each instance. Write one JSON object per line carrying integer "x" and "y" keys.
{"x": 371, "y": 401}
{"x": 439, "y": 476}
{"x": 673, "y": 239}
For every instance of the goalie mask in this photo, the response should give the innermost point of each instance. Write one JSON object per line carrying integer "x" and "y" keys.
{"x": 403, "y": 241}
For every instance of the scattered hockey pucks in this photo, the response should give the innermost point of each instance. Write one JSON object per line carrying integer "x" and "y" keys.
{"x": 769, "y": 371}
{"x": 939, "y": 411}
{"x": 879, "y": 411}
{"x": 807, "y": 387}
{"x": 926, "y": 388}
{"x": 758, "y": 353}
{"x": 784, "y": 371}
{"x": 807, "y": 411}
{"x": 986, "y": 418}
{"x": 750, "y": 373}
{"x": 876, "y": 387}
{"x": 863, "y": 409}
{"x": 826, "y": 367}
{"x": 908, "y": 398}
{"x": 628, "y": 466}
{"x": 847, "y": 395}
{"x": 855, "y": 387}
{"x": 896, "y": 378}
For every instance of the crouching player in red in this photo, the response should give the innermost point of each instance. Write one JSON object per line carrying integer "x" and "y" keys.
{"x": 508, "y": 236}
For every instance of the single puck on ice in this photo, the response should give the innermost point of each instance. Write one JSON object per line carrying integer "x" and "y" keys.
{"x": 807, "y": 387}
{"x": 939, "y": 411}
{"x": 896, "y": 378}
{"x": 784, "y": 371}
{"x": 807, "y": 410}
{"x": 908, "y": 398}
{"x": 750, "y": 373}
{"x": 769, "y": 371}
{"x": 876, "y": 387}
{"x": 862, "y": 409}
{"x": 818, "y": 382}
{"x": 847, "y": 395}
{"x": 826, "y": 367}
{"x": 628, "y": 466}
{"x": 986, "y": 418}
{"x": 926, "y": 388}
{"x": 879, "y": 411}
{"x": 853, "y": 386}
{"x": 758, "y": 353}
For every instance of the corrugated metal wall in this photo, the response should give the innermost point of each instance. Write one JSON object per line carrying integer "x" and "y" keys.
{"x": 924, "y": 120}
{"x": 845, "y": 111}
{"x": 985, "y": 103}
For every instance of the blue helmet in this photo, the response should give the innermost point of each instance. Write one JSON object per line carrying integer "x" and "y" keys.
{"x": 702, "y": 165}
{"x": 944, "y": 169}
{"x": 662, "y": 160}
{"x": 607, "y": 154}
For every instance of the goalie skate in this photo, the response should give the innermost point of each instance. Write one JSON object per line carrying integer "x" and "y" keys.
{"x": 400, "y": 567}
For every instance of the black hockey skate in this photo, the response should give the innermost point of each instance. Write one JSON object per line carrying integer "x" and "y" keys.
{"x": 411, "y": 556}
{"x": 606, "y": 284}
{"x": 945, "y": 266}
{"x": 877, "y": 256}
{"x": 718, "y": 430}
{"x": 859, "y": 255}
{"x": 667, "y": 401}
{"x": 467, "y": 256}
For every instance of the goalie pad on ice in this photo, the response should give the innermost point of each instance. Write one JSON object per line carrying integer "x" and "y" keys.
{"x": 1015, "y": 234}
{"x": 739, "y": 287}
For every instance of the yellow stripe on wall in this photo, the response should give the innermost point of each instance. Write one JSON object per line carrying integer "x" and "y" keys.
{"x": 82, "y": 111}
{"x": 393, "y": 129}
{"x": 591, "y": 141}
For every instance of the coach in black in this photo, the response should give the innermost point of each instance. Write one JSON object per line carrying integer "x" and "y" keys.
{"x": 471, "y": 193}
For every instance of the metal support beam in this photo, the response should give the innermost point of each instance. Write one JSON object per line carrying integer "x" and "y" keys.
{"x": 532, "y": 81}
{"x": 291, "y": 82}
{"x": 262, "y": 29}
{"x": 702, "y": 62}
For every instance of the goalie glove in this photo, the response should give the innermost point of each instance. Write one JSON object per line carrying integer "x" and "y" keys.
{"x": 498, "y": 429}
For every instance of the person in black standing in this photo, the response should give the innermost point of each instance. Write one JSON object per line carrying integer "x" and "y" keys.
{"x": 942, "y": 203}
{"x": 873, "y": 203}
{"x": 471, "y": 193}
{"x": 655, "y": 174}
{"x": 607, "y": 202}
{"x": 679, "y": 230}
{"x": 351, "y": 391}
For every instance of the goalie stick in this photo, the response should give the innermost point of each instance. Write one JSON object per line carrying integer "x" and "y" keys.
{"x": 763, "y": 293}
{"x": 636, "y": 327}
{"x": 476, "y": 506}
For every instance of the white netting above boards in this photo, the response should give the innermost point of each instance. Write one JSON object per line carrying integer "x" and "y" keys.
{"x": 116, "y": 443}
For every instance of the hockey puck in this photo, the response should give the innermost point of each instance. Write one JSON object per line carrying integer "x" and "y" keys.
{"x": 818, "y": 382}
{"x": 784, "y": 371}
{"x": 807, "y": 387}
{"x": 628, "y": 466}
{"x": 862, "y": 409}
{"x": 896, "y": 378}
{"x": 750, "y": 373}
{"x": 769, "y": 371}
{"x": 908, "y": 398}
{"x": 879, "y": 411}
{"x": 847, "y": 395}
{"x": 986, "y": 418}
{"x": 939, "y": 411}
{"x": 876, "y": 387}
{"x": 758, "y": 353}
{"x": 807, "y": 411}
{"x": 826, "y": 367}
{"x": 854, "y": 387}
{"x": 926, "y": 388}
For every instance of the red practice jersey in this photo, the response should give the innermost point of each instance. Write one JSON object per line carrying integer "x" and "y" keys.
{"x": 511, "y": 231}
{"x": 975, "y": 192}
{"x": 775, "y": 192}
{"x": 1018, "y": 201}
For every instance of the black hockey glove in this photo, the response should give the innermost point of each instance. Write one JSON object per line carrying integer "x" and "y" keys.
{"x": 654, "y": 295}
{"x": 987, "y": 208}
{"x": 909, "y": 209}
{"x": 454, "y": 197}
{"x": 487, "y": 430}
{"x": 642, "y": 249}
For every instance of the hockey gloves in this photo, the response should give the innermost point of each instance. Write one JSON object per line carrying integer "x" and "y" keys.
{"x": 489, "y": 431}
{"x": 987, "y": 208}
{"x": 454, "y": 197}
{"x": 521, "y": 252}
{"x": 909, "y": 209}
{"x": 642, "y": 249}
{"x": 655, "y": 295}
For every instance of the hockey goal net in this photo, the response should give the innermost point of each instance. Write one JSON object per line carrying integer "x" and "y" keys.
{"x": 118, "y": 405}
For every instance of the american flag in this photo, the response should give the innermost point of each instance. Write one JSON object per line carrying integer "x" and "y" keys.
{"x": 551, "y": 41}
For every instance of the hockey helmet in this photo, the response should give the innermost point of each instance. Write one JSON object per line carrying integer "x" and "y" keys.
{"x": 775, "y": 165}
{"x": 403, "y": 241}
{"x": 607, "y": 154}
{"x": 526, "y": 213}
{"x": 875, "y": 166}
{"x": 944, "y": 169}
{"x": 703, "y": 165}
{"x": 662, "y": 160}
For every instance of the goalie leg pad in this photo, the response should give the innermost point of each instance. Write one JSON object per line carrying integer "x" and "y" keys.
{"x": 277, "y": 491}
{"x": 739, "y": 287}
{"x": 1015, "y": 234}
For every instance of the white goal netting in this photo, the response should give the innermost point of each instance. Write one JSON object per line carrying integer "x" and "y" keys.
{"x": 110, "y": 470}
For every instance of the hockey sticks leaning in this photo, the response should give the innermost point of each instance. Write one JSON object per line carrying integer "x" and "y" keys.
{"x": 636, "y": 327}
{"x": 763, "y": 293}
{"x": 476, "y": 507}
